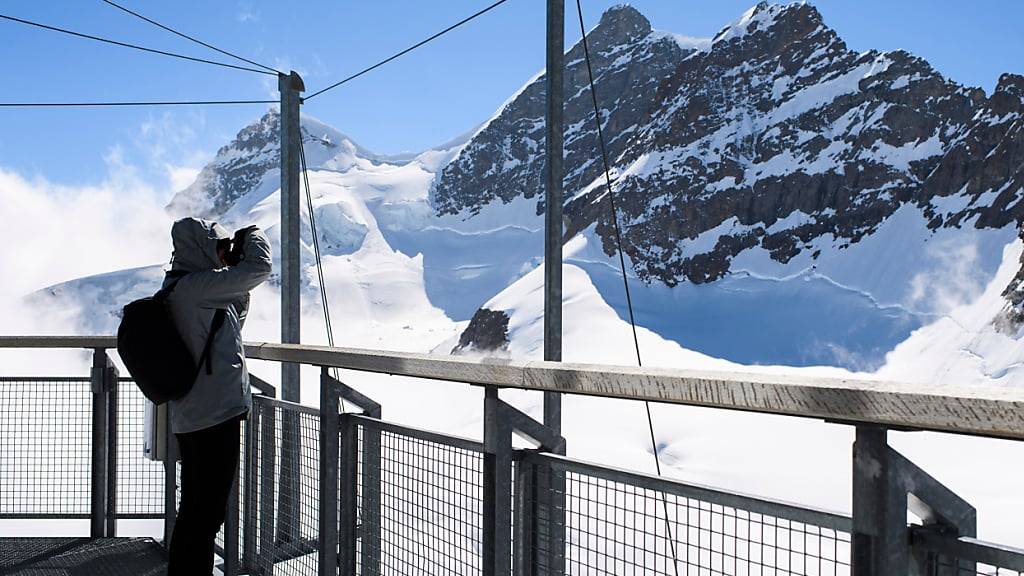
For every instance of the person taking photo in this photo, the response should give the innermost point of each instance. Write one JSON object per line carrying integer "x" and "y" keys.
{"x": 213, "y": 275}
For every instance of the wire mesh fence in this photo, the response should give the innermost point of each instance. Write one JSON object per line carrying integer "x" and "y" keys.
{"x": 940, "y": 565}
{"x": 140, "y": 481}
{"x": 945, "y": 555}
{"x": 419, "y": 502}
{"x": 45, "y": 447}
{"x": 627, "y": 524}
{"x": 287, "y": 455}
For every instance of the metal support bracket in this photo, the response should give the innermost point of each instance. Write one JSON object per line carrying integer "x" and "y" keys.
{"x": 262, "y": 386}
{"x": 542, "y": 436}
{"x": 340, "y": 442}
{"x": 349, "y": 394}
{"x": 501, "y": 420}
{"x": 885, "y": 486}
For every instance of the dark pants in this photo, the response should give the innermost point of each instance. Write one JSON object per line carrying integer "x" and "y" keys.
{"x": 209, "y": 460}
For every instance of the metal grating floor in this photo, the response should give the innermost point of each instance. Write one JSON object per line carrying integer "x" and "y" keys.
{"x": 81, "y": 557}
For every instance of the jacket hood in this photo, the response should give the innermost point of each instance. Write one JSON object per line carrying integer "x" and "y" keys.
{"x": 195, "y": 244}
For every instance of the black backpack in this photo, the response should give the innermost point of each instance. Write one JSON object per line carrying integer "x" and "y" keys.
{"x": 154, "y": 352}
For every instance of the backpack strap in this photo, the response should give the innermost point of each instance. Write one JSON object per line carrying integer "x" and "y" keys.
{"x": 164, "y": 292}
{"x": 218, "y": 321}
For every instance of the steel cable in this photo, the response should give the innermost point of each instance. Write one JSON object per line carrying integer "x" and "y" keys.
{"x": 165, "y": 103}
{"x": 407, "y": 50}
{"x": 622, "y": 267}
{"x": 133, "y": 46}
{"x": 187, "y": 37}
{"x": 316, "y": 251}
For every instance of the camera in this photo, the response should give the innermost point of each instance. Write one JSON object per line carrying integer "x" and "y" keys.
{"x": 236, "y": 252}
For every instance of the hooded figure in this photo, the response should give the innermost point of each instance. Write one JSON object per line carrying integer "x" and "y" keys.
{"x": 206, "y": 420}
{"x": 209, "y": 285}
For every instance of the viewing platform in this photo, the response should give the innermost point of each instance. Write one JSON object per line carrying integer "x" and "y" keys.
{"x": 82, "y": 556}
{"x": 325, "y": 491}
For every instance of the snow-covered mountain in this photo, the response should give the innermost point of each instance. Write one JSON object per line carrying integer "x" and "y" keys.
{"x": 787, "y": 204}
{"x": 835, "y": 201}
{"x": 784, "y": 200}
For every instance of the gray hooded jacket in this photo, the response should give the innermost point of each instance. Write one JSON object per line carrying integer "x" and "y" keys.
{"x": 224, "y": 394}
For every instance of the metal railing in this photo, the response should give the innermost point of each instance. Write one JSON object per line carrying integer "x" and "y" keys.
{"x": 326, "y": 492}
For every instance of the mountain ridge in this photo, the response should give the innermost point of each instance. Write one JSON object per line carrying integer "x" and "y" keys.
{"x": 897, "y": 115}
{"x": 768, "y": 160}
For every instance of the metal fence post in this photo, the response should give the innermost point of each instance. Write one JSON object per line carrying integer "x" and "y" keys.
{"x": 100, "y": 461}
{"x": 170, "y": 478}
{"x": 370, "y": 528}
{"x": 329, "y": 454}
{"x": 525, "y": 523}
{"x": 548, "y": 542}
{"x": 497, "y": 493}
{"x": 267, "y": 510}
{"x": 885, "y": 486}
{"x": 112, "y": 377}
{"x": 250, "y": 510}
{"x": 348, "y": 516}
{"x": 289, "y": 490}
{"x": 549, "y": 487}
{"x": 880, "y": 538}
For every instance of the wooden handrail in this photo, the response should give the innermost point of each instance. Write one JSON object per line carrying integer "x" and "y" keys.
{"x": 993, "y": 411}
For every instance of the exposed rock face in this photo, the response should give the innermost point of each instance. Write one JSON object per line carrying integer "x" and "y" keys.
{"x": 1013, "y": 316}
{"x": 487, "y": 332}
{"x": 985, "y": 165}
{"x": 238, "y": 168}
{"x": 505, "y": 159}
{"x": 774, "y": 135}
{"x": 242, "y": 165}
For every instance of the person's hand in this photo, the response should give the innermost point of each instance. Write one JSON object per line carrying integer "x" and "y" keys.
{"x": 237, "y": 252}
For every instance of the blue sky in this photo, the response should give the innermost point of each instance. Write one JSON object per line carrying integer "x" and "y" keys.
{"x": 424, "y": 99}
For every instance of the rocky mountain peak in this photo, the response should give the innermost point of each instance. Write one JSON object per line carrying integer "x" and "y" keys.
{"x": 251, "y": 161}
{"x": 783, "y": 22}
{"x": 777, "y": 133}
{"x": 620, "y": 24}
{"x": 1009, "y": 94}
{"x": 505, "y": 159}
{"x": 261, "y": 133}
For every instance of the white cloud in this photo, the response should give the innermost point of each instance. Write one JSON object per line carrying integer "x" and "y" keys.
{"x": 167, "y": 146}
{"x": 247, "y": 13}
{"x": 951, "y": 277}
{"x": 180, "y": 177}
{"x": 53, "y": 232}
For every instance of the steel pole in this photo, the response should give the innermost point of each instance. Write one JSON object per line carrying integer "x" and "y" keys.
{"x": 554, "y": 143}
{"x": 290, "y": 86}
{"x": 548, "y": 536}
{"x": 291, "y": 272}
